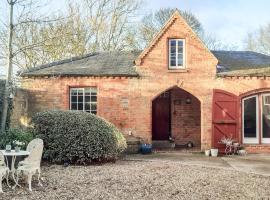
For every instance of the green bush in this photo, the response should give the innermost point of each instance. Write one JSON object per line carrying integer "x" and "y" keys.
{"x": 12, "y": 136}
{"x": 77, "y": 137}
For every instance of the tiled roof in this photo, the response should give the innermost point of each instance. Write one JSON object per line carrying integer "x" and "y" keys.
{"x": 121, "y": 63}
{"x": 242, "y": 63}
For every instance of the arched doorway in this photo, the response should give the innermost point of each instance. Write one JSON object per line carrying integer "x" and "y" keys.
{"x": 176, "y": 117}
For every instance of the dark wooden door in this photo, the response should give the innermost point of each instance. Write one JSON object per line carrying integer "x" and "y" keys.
{"x": 225, "y": 117}
{"x": 161, "y": 117}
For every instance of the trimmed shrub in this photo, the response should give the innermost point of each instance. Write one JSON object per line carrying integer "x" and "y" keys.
{"x": 15, "y": 137}
{"x": 77, "y": 137}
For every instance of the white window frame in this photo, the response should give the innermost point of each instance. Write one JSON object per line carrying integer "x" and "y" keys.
{"x": 80, "y": 88}
{"x": 176, "y": 59}
{"x": 264, "y": 140}
{"x": 254, "y": 140}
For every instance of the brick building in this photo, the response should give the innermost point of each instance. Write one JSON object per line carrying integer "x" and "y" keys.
{"x": 174, "y": 89}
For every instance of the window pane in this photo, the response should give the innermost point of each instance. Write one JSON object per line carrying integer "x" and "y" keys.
{"x": 87, "y": 91}
{"x": 87, "y": 106}
{"x": 180, "y": 60}
{"x": 94, "y": 112}
{"x": 80, "y": 106}
{"x": 250, "y": 116}
{"x": 74, "y": 92}
{"x": 80, "y": 91}
{"x": 80, "y": 99}
{"x": 74, "y": 106}
{"x": 94, "y": 98}
{"x": 173, "y": 43}
{"x": 172, "y": 52}
{"x": 93, "y": 91}
{"x": 87, "y": 99}
{"x": 266, "y": 117}
{"x": 180, "y": 46}
{"x": 93, "y": 106}
{"x": 173, "y": 63}
{"x": 74, "y": 99}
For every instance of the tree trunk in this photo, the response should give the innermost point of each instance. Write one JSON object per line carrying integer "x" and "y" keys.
{"x": 9, "y": 69}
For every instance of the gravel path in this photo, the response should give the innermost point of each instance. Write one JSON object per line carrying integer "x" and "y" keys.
{"x": 143, "y": 180}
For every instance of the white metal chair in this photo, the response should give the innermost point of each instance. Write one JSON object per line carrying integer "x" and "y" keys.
{"x": 29, "y": 148}
{"x": 31, "y": 165}
{"x": 4, "y": 171}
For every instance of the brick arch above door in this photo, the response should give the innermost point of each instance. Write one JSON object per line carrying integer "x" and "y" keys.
{"x": 253, "y": 92}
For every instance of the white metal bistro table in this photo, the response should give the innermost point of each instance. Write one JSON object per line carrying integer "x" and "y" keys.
{"x": 13, "y": 154}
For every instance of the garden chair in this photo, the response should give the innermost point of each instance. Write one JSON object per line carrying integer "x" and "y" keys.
{"x": 29, "y": 148}
{"x": 4, "y": 171}
{"x": 31, "y": 165}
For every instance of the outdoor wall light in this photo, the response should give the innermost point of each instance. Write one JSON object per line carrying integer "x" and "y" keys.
{"x": 11, "y": 96}
{"x": 188, "y": 100}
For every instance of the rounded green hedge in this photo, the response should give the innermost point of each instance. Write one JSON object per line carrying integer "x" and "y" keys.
{"x": 78, "y": 137}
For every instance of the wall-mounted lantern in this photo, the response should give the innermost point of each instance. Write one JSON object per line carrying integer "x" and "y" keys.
{"x": 188, "y": 100}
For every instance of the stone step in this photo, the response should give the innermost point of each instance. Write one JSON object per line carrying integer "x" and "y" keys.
{"x": 163, "y": 144}
{"x": 133, "y": 144}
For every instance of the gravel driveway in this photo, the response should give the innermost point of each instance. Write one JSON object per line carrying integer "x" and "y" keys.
{"x": 144, "y": 180}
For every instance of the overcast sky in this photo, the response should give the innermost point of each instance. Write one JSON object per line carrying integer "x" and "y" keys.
{"x": 228, "y": 20}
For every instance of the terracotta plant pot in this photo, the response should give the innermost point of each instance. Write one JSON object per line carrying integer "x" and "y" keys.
{"x": 214, "y": 152}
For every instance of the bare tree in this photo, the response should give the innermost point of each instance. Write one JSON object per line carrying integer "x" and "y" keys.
{"x": 153, "y": 22}
{"x": 259, "y": 40}
{"x": 23, "y": 16}
{"x": 109, "y": 23}
{"x": 55, "y": 40}
{"x": 88, "y": 26}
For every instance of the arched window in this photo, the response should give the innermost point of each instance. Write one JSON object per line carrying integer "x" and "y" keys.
{"x": 256, "y": 119}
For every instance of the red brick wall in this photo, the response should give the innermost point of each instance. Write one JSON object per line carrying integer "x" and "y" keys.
{"x": 127, "y": 102}
{"x": 155, "y": 78}
{"x": 185, "y": 118}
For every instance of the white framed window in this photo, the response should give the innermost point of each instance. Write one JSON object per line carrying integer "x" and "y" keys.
{"x": 265, "y": 119}
{"x": 250, "y": 119}
{"x": 84, "y": 99}
{"x": 176, "y": 54}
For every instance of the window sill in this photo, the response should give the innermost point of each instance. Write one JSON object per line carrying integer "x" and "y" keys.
{"x": 178, "y": 70}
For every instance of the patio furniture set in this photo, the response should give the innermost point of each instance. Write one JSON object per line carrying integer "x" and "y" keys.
{"x": 30, "y": 165}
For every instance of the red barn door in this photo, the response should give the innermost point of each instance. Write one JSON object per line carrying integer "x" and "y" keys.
{"x": 225, "y": 117}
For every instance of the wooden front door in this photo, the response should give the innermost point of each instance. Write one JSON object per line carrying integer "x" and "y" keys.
{"x": 161, "y": 117}
{"x": 225, "y": 117}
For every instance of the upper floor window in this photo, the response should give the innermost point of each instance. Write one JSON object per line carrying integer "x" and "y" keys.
{"x": 84, "y": 99}
{"x": 176, "y": 54}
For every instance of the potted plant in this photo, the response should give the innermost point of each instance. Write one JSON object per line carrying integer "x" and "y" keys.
{"x": 214, "y": 152}
{"x": 241, "y": 151}
{"x": 146, "y": 148}
{"x": 18, "y": 145}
